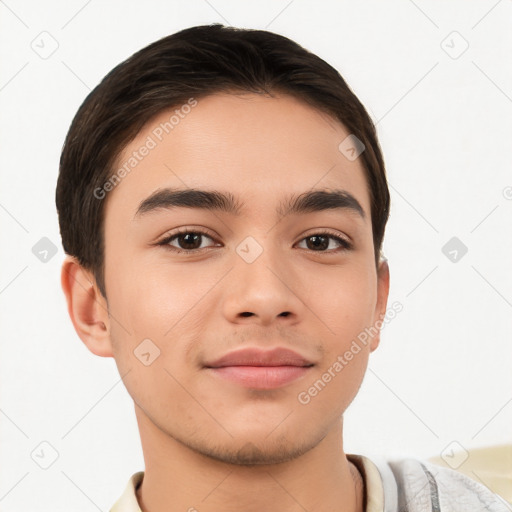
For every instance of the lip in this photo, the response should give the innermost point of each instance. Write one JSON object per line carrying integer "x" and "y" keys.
{"x": 261, "y": 369}
{"x": 259, "y": 357}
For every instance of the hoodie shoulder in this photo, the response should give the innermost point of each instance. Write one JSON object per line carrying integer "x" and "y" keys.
{"x": 424, "y": 486}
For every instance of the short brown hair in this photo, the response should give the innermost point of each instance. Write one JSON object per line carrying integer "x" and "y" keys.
{"x": 195, "y": 62}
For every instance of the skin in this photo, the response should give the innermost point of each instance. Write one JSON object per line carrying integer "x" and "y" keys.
{"x": 208, "y": 443}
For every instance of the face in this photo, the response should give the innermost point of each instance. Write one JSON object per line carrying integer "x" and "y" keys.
{"x": 223, "y": 319}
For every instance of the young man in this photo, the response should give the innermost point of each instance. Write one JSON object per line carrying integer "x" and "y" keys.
{"x": 222, "y": 200}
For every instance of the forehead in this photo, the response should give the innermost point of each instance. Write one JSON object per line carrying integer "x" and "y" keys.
{"x": 252, "y": 145}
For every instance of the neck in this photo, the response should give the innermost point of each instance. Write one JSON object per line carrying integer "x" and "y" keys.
{"x": 177, "y": 478}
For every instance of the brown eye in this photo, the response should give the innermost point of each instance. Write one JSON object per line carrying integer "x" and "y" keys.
{"x": 320, "y": 242}
{"x": 187, "y": 241}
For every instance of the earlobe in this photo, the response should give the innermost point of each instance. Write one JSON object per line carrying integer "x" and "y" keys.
{"x": 87, "y": 307}
{"x": 382, "y": 301}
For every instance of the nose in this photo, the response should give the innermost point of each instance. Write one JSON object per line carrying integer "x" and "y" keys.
{"x": 263, "y": 291}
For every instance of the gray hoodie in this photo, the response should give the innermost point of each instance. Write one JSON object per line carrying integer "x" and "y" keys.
{"x": 412, "y": 485}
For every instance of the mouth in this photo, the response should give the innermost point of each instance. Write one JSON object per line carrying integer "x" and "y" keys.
{"x": 260, "y": 369}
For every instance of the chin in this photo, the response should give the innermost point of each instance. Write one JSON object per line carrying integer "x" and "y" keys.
{"x": 253, "y": 451}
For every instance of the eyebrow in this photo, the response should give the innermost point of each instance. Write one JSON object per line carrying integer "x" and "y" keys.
{"x": 214, "y": 200}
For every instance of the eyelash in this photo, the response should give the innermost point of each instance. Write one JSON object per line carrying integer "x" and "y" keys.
{"x": 345, "y": 244}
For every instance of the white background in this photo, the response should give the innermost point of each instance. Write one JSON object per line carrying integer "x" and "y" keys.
{"x": 442, "y": 371}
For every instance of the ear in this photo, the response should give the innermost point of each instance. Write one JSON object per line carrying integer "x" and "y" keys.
{"x": 87, "y": 307}
{"x": 382, "y": 300}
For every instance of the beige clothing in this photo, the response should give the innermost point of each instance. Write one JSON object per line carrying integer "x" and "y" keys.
{"x": 373, "y": 488}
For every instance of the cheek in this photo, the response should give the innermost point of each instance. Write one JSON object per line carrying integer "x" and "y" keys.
{"x": 345, "y": 305}
{"x": 161, "y": 304}
{"x": 150, "y": 298}
{"x": 337, "y": 381}
{"x": 343, "y": 301}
